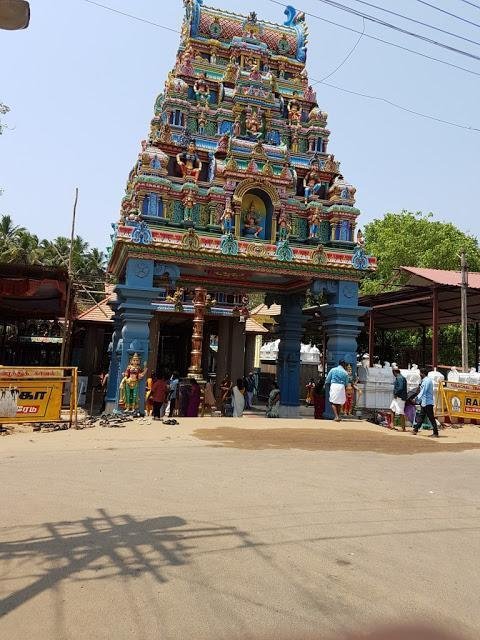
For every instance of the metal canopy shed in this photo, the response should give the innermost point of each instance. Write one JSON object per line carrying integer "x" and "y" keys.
{"x": 429, "y": 298}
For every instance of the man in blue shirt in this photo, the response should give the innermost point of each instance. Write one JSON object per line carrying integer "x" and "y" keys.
{"x": 337, "y": 378}
{"x": 426, "y": 402}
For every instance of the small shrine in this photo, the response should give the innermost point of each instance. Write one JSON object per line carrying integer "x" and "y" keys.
{"x": 234, "y": 191}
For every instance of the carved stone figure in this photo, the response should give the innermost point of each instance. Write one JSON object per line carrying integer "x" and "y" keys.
{"x": 201, "y": 89}
{"x": 312, "y": 181}
{"x": 294, "y": 110}
{"x": 253, "y": 122}
{"x": 128, "y": 397}
{"x": 314, "y": 224}
{"x": 284, "y": 226}
{"x": 189, "y": 162}
{"x": 226, "y": 219}
{"x": 251, "y": 226}
{"x": 176, "y": 299}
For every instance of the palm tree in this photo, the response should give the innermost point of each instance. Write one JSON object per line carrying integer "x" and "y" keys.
{"x": 23, "y": 248}
{"x": 8, "y": 229}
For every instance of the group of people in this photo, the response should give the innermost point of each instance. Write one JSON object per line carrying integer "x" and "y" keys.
{"x": 236, "y": 398}
{"x": 404, "y": 403}
{"x": 343, "y": 392}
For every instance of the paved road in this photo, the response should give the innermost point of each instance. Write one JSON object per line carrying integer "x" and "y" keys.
{"x": 151, "y": 532}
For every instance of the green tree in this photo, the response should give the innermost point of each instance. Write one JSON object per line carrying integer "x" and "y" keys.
{"x": 24, "y": 248}
{"x": 414, "y": 240}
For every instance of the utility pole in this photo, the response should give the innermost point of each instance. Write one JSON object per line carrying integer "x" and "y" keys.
{"x": 66, "y": 326}
{"x": 464, "y": 291}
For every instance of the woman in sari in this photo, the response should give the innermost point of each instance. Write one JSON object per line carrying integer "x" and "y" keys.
{"x": 193, "y": 399}
{"x": 238, "y": 399}
{"x": 273, "y": 405}
{"x": 319, "y": 399}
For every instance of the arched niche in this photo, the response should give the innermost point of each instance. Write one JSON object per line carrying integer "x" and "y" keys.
{"x": 257, "y": 204}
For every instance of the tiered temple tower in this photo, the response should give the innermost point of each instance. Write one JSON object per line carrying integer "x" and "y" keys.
{"x": 235, "y": 190}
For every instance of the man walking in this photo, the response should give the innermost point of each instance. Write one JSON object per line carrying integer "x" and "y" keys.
{"x": 173, "y": 387}
{"x": 337, "y": 378}
{"x": 249, "y": 384}
{"x": 399, "y": 397}
{"x": 425, "y": 399}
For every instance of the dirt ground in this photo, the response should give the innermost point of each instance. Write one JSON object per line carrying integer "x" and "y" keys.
{"x": 246, "y": 528}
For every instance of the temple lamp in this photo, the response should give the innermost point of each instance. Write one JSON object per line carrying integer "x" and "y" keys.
{"x": 14, "y": 14}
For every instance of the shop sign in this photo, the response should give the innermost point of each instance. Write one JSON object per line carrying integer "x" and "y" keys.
{"x": 461, "y": 403}
{"x": 30, "y": 400}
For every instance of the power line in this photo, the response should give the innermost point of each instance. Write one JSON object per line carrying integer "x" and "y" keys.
{"x": 424, "y": 24}
{"x": 453, "y": 15}
{"x": 343, "y": 89}
{"x": 472, "y": 4}
{"x": 389, "y": 25}
{"x": 397, "y": 106}
{"x": 392, "y": 44}
{"x": 129, "y": 15}
{"x": 349, "y": 54}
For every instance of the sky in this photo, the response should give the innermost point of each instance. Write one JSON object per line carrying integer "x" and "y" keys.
{"x": 81, "y": 83}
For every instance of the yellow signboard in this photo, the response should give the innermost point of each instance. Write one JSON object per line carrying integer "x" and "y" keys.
{"x": 460, "y": 403}
{"x": 34, "y": 394}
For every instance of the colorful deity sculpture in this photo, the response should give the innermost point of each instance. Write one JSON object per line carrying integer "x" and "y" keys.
{"x": 188, "y": 204}
{"x": 226, "y": 219}
{"x": 129, "y": 385}
{"x": 314, "y": 224}
{"x": 251, "y": 226}
{"x": 284, "y": 226}
{"x": 231, "y": 71}
{"x": 253, "y": 122}
{"x": 189, "y": 163}
{"x": 294, "y": 110}
{"x": 201, "y": 89}
{"x": 312, "y": 181}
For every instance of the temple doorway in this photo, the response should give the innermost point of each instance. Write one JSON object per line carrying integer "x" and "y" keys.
{"x": 257, "y": 212}
{"x": 174, "y": 347}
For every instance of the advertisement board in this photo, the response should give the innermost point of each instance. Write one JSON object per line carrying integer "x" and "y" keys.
{"x": 34, "y": 394}
{"x": 460, "y": 403}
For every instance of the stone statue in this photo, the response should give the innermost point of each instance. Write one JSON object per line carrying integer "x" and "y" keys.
{"x": 201, "y": 89}
{"x": 314, "y": 224}
{"x": 128, "y": 398}
{"x": 176, "y": 299}
{"x": 253, "y": 122}
{"x": 189, "y": 163}
{"x": 330, "y": 164}
{"x": 294, "y": 110}
{"x": 284, "y": 226}
{"x": 312, "y": 181}
{"x": 251, "y": 226}
{"x": 360, "y": 239}
{"x": 226, "y": 219}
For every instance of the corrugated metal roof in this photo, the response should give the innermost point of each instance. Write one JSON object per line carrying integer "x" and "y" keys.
{"x": 422, "y": 277}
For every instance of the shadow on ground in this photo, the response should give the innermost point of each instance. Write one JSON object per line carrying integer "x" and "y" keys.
{"x": 99, "y": 548}
{"x": 326, "y": 440}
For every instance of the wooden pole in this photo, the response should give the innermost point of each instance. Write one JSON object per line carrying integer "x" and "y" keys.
{"x": 464, "y": 292}
{"x": 66, "y": 326}
{"x": 477, "y": 344}
{"x": 435, "y": 327}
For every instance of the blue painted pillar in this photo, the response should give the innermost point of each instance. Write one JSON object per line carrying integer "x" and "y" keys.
{"x": 290, "y": 331}
{"x": 113, "y": 381}
{"x": 341, "y": 320}
{"x": 135, "y": 311}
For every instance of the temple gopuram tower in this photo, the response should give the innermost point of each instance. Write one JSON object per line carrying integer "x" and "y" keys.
{"x": 234, "y": 191}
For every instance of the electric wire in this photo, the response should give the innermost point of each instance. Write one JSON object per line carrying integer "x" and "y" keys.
{"x": 448, "y": 13}
{"x": 347, "y": 57}
{"x": 129, "y": 15}
{"x": 336, "y": 87}
{"x": 377, "y": 39}
{"x": 472, "y": 4}
{"x": 389, "y": 25}
{"x": 397, "y": 106}
{"x": 423, "y": 24}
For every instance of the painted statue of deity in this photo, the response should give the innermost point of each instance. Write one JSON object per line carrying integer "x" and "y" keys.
{"x": 312, "y": 182}
{"x": 284, "y": 226}
{"x": 201, "y": 89}
{"x": 188, "y": 204}
{"x": 254, "y": 71}
{"x": 128, "y": 398}
{"x": 360, "y": 239}
{"x": 226, "y": 219}
{"x": 253, "y": 122}
{"x": 294, "y": 110}
{"x": 231, "y": 71}
{"x": 189, "y": 162}
{"x": 314, "y": 224}
{"x": 251, "y": 226}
